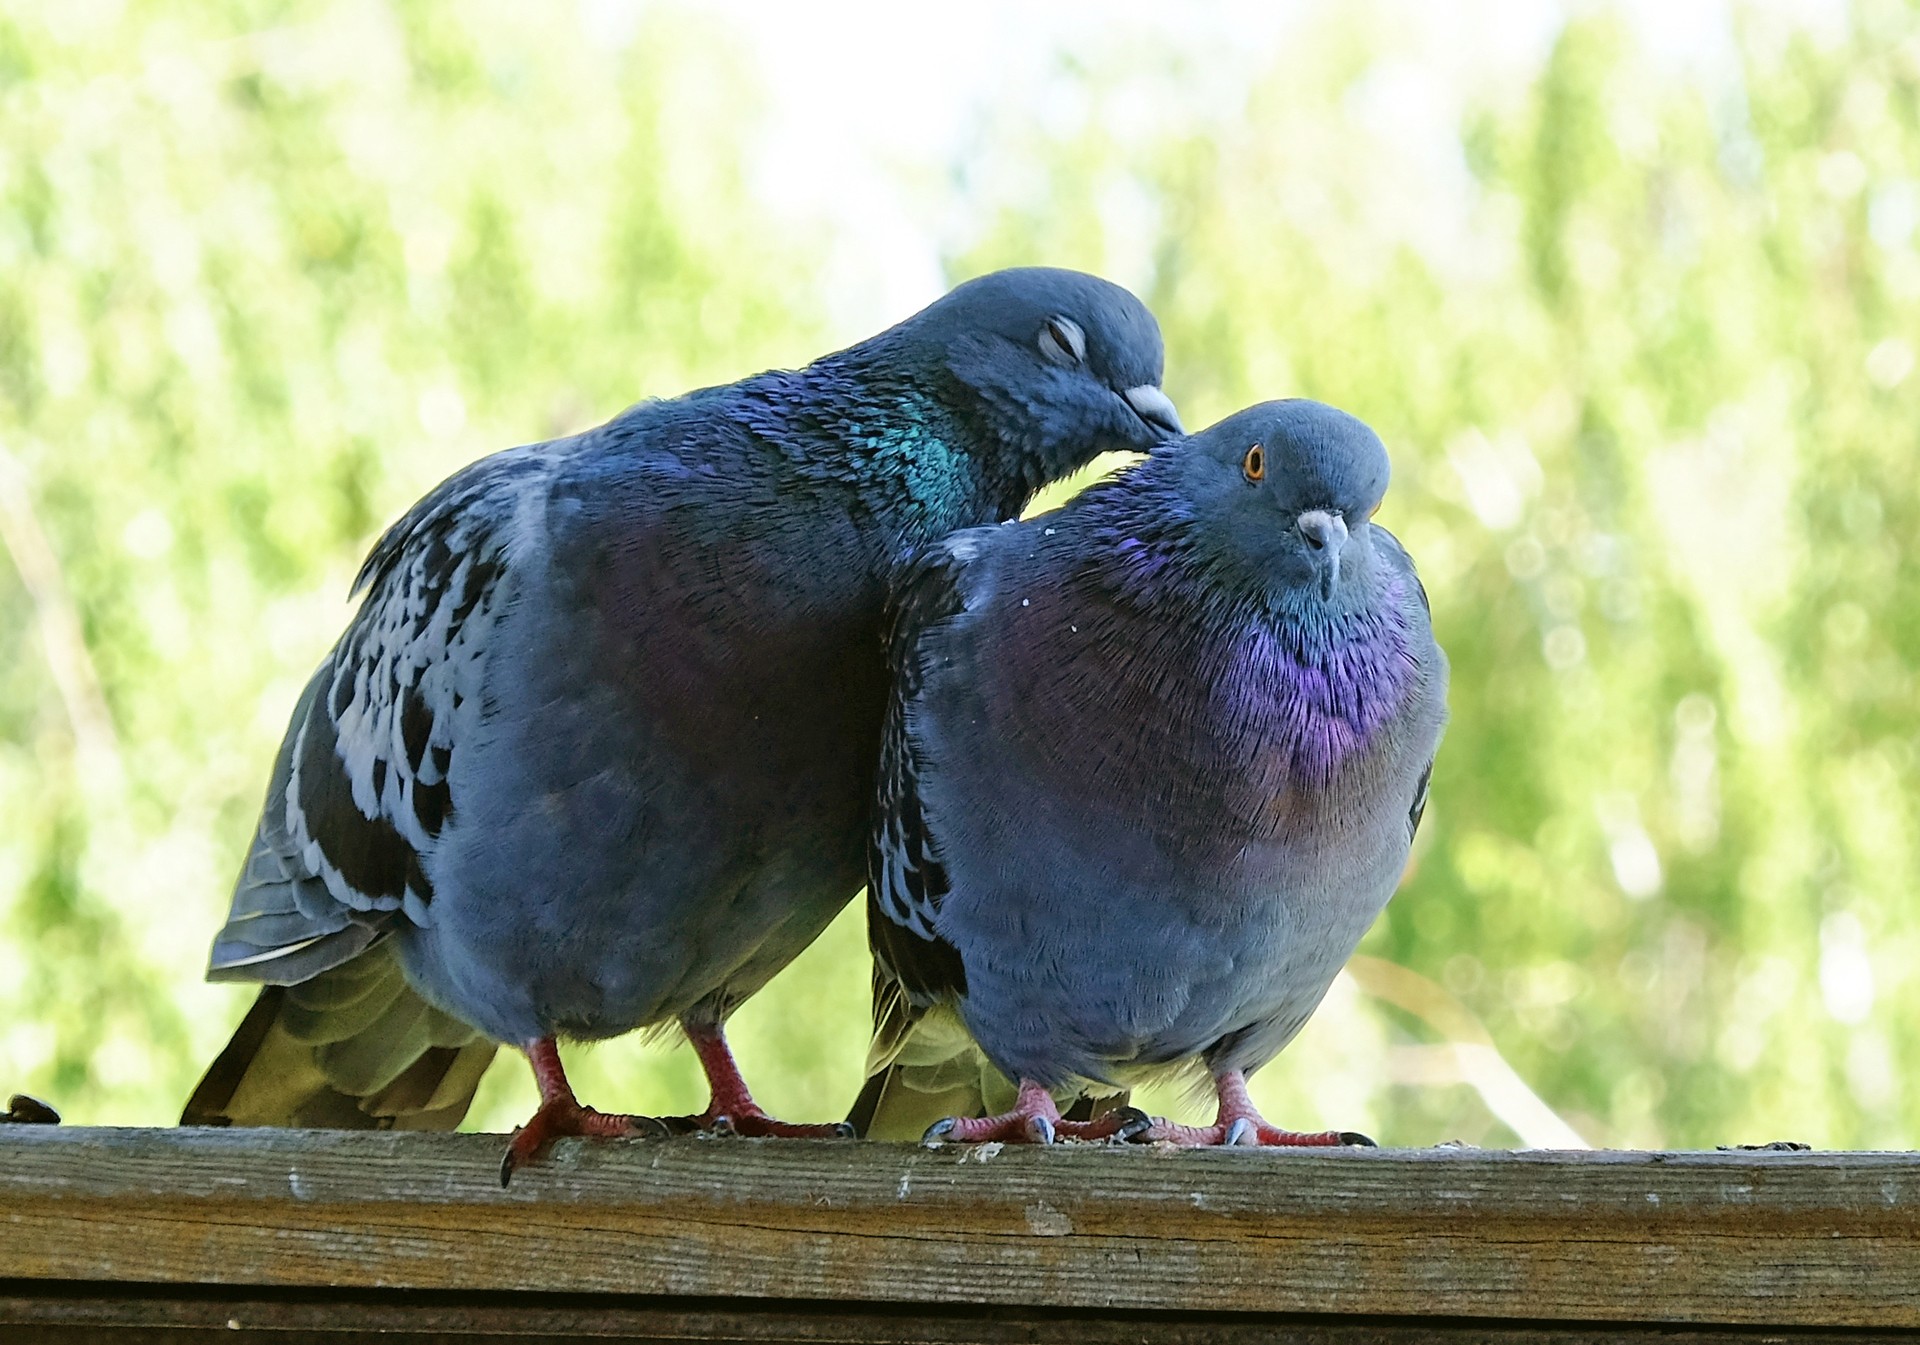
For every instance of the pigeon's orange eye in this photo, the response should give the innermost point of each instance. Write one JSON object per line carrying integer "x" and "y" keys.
{"x": 1255, "y": 464}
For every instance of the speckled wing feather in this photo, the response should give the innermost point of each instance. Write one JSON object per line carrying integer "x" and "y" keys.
{"x": 913, "y": 968}
{"x": 359, "y": 793}
{"x": 905, "y": 877}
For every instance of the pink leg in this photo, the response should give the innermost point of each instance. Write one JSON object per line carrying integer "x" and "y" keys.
{"x": 1035, "y": 1119}
{"x": 560, "y": 1114}
{"x": 1240, "y": 1123}
{"x": 733, "y": 1109}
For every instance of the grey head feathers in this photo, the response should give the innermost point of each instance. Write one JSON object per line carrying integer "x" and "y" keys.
{"x": 1062, "y": 366}
{"x": 1275, "y": 500}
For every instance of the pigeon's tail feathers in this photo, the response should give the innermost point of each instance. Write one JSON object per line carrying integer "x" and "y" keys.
{"x": 352, "y": 1048}
{"x": 894, "y": 1018}
{"x": 893, "y": 1106}
{"x": 923, "y": 1066}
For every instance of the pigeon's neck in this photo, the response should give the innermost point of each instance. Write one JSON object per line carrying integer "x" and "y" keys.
{"x": 1323, "y": 688}
{"x": 1316, "y": 682}
{"x": 849, "y": 422}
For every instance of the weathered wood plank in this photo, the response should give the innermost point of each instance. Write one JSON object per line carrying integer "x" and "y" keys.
{"x": 1818, "y": 1239}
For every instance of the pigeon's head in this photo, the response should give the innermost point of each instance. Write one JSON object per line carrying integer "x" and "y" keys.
{"x": 1050, "y": 367}
{"x": 1287, "y": 490}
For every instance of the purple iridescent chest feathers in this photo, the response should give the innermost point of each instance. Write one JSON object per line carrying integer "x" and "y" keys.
{"x": 1240, "y": 705}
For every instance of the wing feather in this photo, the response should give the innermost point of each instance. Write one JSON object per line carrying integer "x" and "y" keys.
{"x": 360, "y": 792}
{"x": 906, "y": 879}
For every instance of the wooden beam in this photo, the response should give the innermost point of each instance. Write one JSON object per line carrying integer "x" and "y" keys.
{"x": 1710, "y": 1239}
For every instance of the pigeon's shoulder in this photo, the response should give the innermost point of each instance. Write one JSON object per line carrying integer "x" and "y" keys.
{"x": 361, "y": 793}
{"x": 1399, "y": 562}
{"x": 477, "y": 508}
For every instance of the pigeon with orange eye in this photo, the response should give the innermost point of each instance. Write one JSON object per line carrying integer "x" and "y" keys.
{"x": 1154, "y": 764}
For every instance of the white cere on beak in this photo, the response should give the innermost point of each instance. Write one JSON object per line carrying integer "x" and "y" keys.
{"x": 1156, "y": 408}
{"x": 1325, "y": 534}
{"x": 1323, "y": 531}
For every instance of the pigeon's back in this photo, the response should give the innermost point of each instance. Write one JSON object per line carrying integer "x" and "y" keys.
{"x": 694, "y": 709}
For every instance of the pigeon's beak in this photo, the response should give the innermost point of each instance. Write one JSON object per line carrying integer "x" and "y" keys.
{"x": 1325, "y": 534}
{"x": 1156, "y": 409}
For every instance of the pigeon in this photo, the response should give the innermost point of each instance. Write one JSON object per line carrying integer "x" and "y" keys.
{"x": 597, "y": 751}
{"x": 1152, "y": 765}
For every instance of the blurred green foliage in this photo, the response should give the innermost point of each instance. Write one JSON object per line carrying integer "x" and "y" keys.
{"x": 1646, "y": 360}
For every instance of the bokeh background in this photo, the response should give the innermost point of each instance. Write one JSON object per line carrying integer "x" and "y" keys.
{"x": 1632, "y": 293}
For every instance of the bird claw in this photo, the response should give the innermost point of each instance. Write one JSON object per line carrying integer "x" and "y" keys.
{"x": 1019, "y": 1126}
{"x": 1036, "y": 1119}
{"x": 561, "y": 1119}
{"x": 1010, "y": 1128}
{"x": 1248, "y": 1132}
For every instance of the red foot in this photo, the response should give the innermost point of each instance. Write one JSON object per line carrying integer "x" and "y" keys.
{"x": 561, "y": 1115}
{"x": 1240, "y": 1124}
{"x": 733, "y": 1110}
{"x": 1035, "y": 1119}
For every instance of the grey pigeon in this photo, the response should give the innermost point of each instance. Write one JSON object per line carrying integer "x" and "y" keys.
{"x": 1152, "y": 766}
{"x": 597, "y": 751}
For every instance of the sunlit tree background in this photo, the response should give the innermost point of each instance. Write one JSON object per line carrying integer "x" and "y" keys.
{"x": 1634, "y": 299}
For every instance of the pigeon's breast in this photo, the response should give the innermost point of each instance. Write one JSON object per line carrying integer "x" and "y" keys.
{"x": 1164, "y": 830}
{"x": 1193, "y": 733}
{"x": 1309, "y": 699}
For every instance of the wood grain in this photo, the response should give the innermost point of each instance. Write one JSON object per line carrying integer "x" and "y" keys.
{"x": 1807, "y": 1240}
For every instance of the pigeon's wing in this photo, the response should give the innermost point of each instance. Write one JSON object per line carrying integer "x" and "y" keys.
{"x": 906, "y": 880}
{"x": 923, "y": 1065}
{"x": 358, "y": 799}
{"x": 1398, "y": 557}
{"x": 359, "y": 792}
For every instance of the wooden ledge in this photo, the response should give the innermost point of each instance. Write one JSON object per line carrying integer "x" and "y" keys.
{"x": 1709, "y": 1239}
